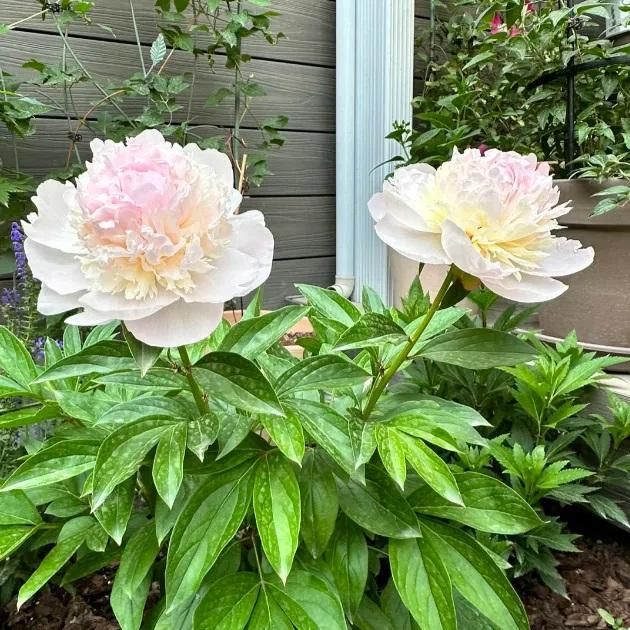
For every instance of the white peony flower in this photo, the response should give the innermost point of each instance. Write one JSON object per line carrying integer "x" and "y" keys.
{"x": 490, "y": 215}
{"x": 148, "y": 235}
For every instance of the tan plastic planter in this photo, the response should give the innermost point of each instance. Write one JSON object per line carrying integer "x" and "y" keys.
{"x": 597, "y": 303}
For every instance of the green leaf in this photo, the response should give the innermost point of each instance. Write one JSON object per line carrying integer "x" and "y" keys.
{"x": 145, "y": 356}
{"x": 251, "y": 337}
{"x": 423, "y": 583}
{"x": 71, "y": 340}
{"x": 373, "y": 329}
{"x": 228, "y": 604}
{"x": 320, "y": 503}
{"x": 28, "y": 415}
{"x": 238, "y": 382}
{"x": 330, "y": 430}
{"x": 153, "y": 406}
{"x": 233, "y": 429}
{"x": 277, "y": 511}
{"x": 114, "y": 512}
{"x": 17, "y": 509}
{"x": 347, "y": 557}
{"x": 158, "y": 50}
{"x": 101, "y": 358}
{"x": 122, "y": 452}
{"x": 216, "y": 98}
{"x": 287, "y": 434}
{"x": 330, "y": 304}
{"x": 128, "y": 610}
{"x": 327, "y": 371}
{"x": 489, "y": 505}
{"x": 137, "y": 558}
{"x": 11, "y": 538}
{"x": 477, "y": 59}
{"x": 371, "y": 617}
{"x": 378, "y": 506}
{"x": 431, "y": 468}
{"x": 15, "y": 359}
{"x": 157, "y": 380}
{"x": 85, "y": 406}
{"x": 476, "y": 576}
{"x": 106, "y": 332}
{"x": 372, "y": 302}
{"x": 207, "y": 523}
{"x": 49, "y": 465}
{"x": 202, "y": 432}
{"x": 477, "y": 348}
{"x": 392, "y": 452}
{"x": 56, "y": 558}
{"x": 168, "y": 464}
{"x": 314, "y": 596}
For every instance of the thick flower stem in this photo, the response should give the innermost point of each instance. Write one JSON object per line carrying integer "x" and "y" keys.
{"x": 401, "y": 357}
{"x": 200, "y": 399}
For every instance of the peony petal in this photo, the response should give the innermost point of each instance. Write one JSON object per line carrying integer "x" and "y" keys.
{"x": 217, "y": 161}
{"x": 385, "y": 204}
{"x": 116, "y": 306}
{"x": 249, "y": 235}
{"x": 51, "y": 225}
{"x": 232, "y": 275}
{"x": 566, "y": 257}
{"x": 179, "y": 324}
{"x": 61, "y": 272}
{"x": 50, "y": 302}
{"x": 88, "y": 317}
{"x": 148, "y": 137}
{"x": 529, "y": 288}
{"x": 464, "y": 254}
{"x": 414, "y": 244}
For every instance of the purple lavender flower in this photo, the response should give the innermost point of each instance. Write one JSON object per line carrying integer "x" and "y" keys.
{"x": 17, "y": 241}
{"x": 38, "y": 349}
{"x": 10, "y": 297}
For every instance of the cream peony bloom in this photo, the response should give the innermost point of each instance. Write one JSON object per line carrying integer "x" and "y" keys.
{"x": 492, "y": 216}
{"x": 148, "y": 235}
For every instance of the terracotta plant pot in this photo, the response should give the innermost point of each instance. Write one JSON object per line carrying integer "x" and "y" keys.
{"x": 597, "y": 303}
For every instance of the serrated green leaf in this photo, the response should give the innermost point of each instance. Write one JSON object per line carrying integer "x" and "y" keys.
{"x": 122, "y": 452}
{"x": 238, "y": 382}
{"x": 60, "y": 461}
{"x": 158, "y": 50}
{"x": 489, "y": 505}
{"x": 423, "y": 583}
{"x": 207, "y": 523}
{"x": 250, "y": 337}
{"x": 277, "y": 510}
{"x": 168, "y": 463}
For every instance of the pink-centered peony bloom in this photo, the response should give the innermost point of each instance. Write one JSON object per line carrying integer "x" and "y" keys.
{"x": 148, "y": 235}
{"x": 492, "y": 216}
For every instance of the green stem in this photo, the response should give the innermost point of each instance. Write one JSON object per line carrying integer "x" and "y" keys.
{"x": 401, "y": 357}
{"x": 198, "y": 395}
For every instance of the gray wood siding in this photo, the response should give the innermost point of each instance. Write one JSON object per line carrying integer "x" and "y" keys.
{"x": 298, "y": 75}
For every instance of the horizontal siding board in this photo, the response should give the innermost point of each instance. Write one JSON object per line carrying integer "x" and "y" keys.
{"x": 309, "y": 26}
{"x": 305, "y": 165}
{"x": 301, "y": 226}
{"x": 286, "y": 273}
{"x": 303, "y": 93}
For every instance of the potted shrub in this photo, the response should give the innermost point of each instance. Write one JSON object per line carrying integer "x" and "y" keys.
{"x": 495, "y": 77}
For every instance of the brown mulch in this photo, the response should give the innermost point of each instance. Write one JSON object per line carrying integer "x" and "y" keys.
{"x": 57, "y": 609}
{"x": 291, "y": 338}
{"x": 599, "y": 577}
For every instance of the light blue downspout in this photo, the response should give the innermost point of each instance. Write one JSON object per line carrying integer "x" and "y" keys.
{"x": 345, "y": 140}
